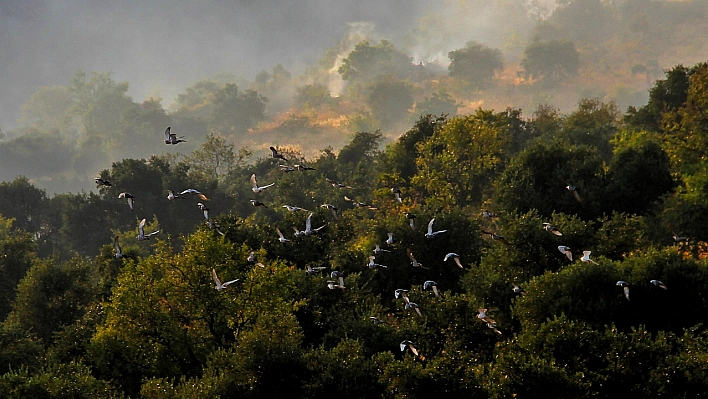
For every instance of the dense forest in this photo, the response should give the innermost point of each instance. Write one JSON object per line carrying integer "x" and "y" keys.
{"x": 581, "y": 241}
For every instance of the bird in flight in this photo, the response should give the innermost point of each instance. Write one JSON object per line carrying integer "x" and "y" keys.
{"x": 518, "y": 290}
{"x": 377, "y": 321}
{"x": 431, "y": 233}
{"x": 379, "y": 250}
{"x": 566, "y": 251}
{"x": 141, "y": 232}
{"x": 332, "y": 209}
{"x": 294, "y": 208}
{"x": 275, "y": 154}
{"x": 401, "y": 293}
{"x": 116, "y": 246}
{"x": 408, "y": 344}
{"x": 496, "y": 237}
{"x": 454, "y": 256}
{"x": 389, "y": 240}
{"x": 171, "y": 138}
{"x": 258, "y": 203}
{"x": 308, "y": 226}
{"x": 286, "y": 168}
{"x": 100, "y": 182}
{"x": 281, "y": 238}
{"x": 302, "y": 167}
{"x": 129, "y": 197}
{"x": 625, "y": 288}
{"x": 659, "y": 284}
{"x": 372, "y": 263}
{"x": 171, "y": 195}
{"x": 552, "y": 229}
{"x": 256, "y": 188}
{"x": 193, "y": 191}
{"x": 411, "y": 220}
{"x": 413, "y": 305}
{"x": 339, "y": 276}
{"x": 204, "y": 209}
{"x": 336, "y": 184}
{"x": 430, "y": 284}
{"x": 414, "y": 262}
{"x": 219, "y": 285}
{"x": 586, "y": 257}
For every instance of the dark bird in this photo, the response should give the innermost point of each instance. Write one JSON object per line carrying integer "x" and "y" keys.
{"x": 171, "y": 138}
{"x": 303, "y": 167}
{"x": 276, "y": 154}
{"x": 552, "y": 229}
{"x": 411, "y": 220}
{"x": 258, "y": 203}
{"x": 336, "y": 184}
{"x": 116, "y": 246}
{"x": 414, "y": 262}
{"x": 286, "y": 168}
{"x": 100, "y": 182}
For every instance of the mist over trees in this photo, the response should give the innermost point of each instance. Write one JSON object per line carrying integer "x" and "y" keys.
{"x": 526, "y": 147}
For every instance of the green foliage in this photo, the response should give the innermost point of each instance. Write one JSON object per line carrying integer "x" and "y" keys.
{"x": 389, "y": 100}
{"x": 367, "y": 61}
{"x": 439, "y": 103}
{"x": 475, "y": 63}
{"x": 236, "y": 111}
{"x": 312, "y": 95}
{"x": 553, "y": 61}
{"x": 17, "y": 249}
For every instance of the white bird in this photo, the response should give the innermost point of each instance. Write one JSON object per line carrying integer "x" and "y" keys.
{"x": 379, "y": 250}
{"x": 338, "y": 275}
{"x": 493, "y": 326}
{"x": 518, "y": 290}
{"x": 129, "y": 197}
{"x": 574, "y": 190}
{"x": 336, "y": 184}
{"x": 625, "y": 288}
{"x": 141, "y": 232}
{"x": 171, "y": 195}
{"x": 431, "y": 233}
{"x": 298, "y": 233}
{"x": 586, "y": 257}
{"x": 204, "y": 210}
{"x": 377, "y": 321}
{"x": 408, "y": 344}
{"x": 401, "y": 293}
{"x": 193, "y": 191}
{"x": 659, "y": 284}
{"x": 116, "y": 246}
{"x": 213, "y": 226}
{"x": 483, "y": 316}
{"x": 282, "y": 238}
{"x": 414, "y": 306}
{"x": 487, "y": 214}
{"x": 358, "y": 204}
{"x": 308, "y": 226}
{"x": 432, "y": 284}
{"x": 414, "y": 262}
{"x": 286, "y": 168}
{"x": 312, "y": 270}
{"x": 332, "y": 208}
{"x": 332, "y": 285}
{"x": 372, "y": 264}
{"x": 397, "y": 194}
{"x": 389, "y": 240}
{"x": 411, "y": 220}
{"x": 294, "y": 208}
{"x": 454, "y": 256}
{"x": 256, "y": 188}
{"x": 251, "y": 257}
{"x": 552, "y": 229}
{"x": 219, "y": 285}
{"x": 566, "y": 251}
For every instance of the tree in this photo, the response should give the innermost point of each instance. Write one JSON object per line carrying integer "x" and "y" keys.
{"x": 475, "y": 64}
{"x": 216, "y": 159}
{"x": 552, "y": 61}
{"x": 312, "y": 95}
{"x": 439, "y": 103}
{"x": 389, "y": 100}
{"x": 594, "y": 123}
{"x": 236, "y": 111}
{"x": 367, "y": 61}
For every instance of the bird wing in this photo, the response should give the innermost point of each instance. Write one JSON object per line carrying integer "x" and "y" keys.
{"x": 457, "y": 260}
{"x": 253, "y": 181}
{"x": 167, "y": 133}
{"x": 116, "y": 245}
{"x": 216, "y": 279}
{"x": 130, "y": 203}
{"x": 141, "y": 227}
{"x": 279, "y": 233}
{"x": 430, "y": 226}
{"x": 226, "y": 284}
{"x": 403, "y": 346}
{"x": 267, "y": 186}
{"x": 206, "y": 213}
{"x": 153, "y": 233}
{"x": 410, "y": 254}
{"x": 308, "y": 222}
{"x": 203, "y": 197}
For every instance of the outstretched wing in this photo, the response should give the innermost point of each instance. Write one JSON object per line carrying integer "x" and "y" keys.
{"x": 167, "y": 134}
{"x": 253, "y": 181}
{"x": 308, "y": 222}
{"x": 430, "y": 226}
{"x": 141, "y": 227}
{"x": 410, "y": 254}
{"x": 216, "y": 279}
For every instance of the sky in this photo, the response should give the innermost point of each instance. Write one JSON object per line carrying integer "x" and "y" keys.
{"x": 162, "y": 46}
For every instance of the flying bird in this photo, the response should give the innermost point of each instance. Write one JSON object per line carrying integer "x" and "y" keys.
{"x": 411, "y": 220}
{"x": 496, "y": 237}
{"x": 312, "y": 270}
{"x": 483, "y": 316}
{"x": 171, "y": 195}
{"x": 257, "y": 203}
{"x": 308, "y": 226}
{"x": 336, "y": 184}
{"x": 494, "y": 328}
{"x": 358, "y": 204}
{"x": 331, "y": 284}
{"x": 415, "y": 306}
{"x": 488, "y": 214}
{"x": 678, "y": 238}
{"x": 219, "y": 285}
{"x": 586, "y": 257}
{"x": 414, "y": 262}
{"x": 141, "y": 232}
{"x": 379, "y": 250}
{"x": 204, "y": 210}
{"x": 659, "y": 284}
{"x": 129, "y": 197}
{"x": 193, "y": 191}
{"x": 566, "y": 251}
{"x": 372, "y": 263}
{"x": 171, "y": 138}
{"x": 298, "y": 232}
{"x": 430, "y": 284}
{"x": 116, "y": 246}
{"x": 100, "y": 182}
{"x": 552, "y": 229}
{"x": 455, "y": 257}
{"x": 377, "y": 321}
{"x": 625, "y": 288}
{"x": 256, "y": 188}
{"x": 574, "y": 190}
{"x": 389, "y": 240}
{"x": 213, "y": 226}
{"x": 251, "y": 257}
{"x": 408, "y": 344}
{"x": 401, "y": 293}
{"x": 338, "y": 275}
{"x": 431, "y": 233}
{"x": 286, "y": 168}
{"x": 303, "y": 167}
{"x": 282, "y": 238}
{"x": 275, "y": 154}
{"x": 519, "y": 290}
{"x": 332, "y": 209}
{"x": 294, "y": 208}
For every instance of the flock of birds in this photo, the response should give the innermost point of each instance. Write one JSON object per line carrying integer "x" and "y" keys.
{"x": 337, "y": 277}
